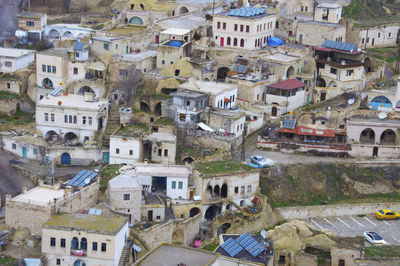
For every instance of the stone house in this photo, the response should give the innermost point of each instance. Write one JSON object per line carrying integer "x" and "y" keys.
{"x": 72, "y": 118}
{"x": 25, "y": 146}
{"x": 31, "y": 23}
{"x": 13, "y": 59}
{"x": 171, "y": 51}
{"x": 125, "y": 149}
{"x": 40, "y": 203}
{"x": 144, "y": 60}
{"x": 52, "y": 68}
{"x": 125, "y": 195}
{"x": 144, "y": 13}
{"x": 12, "y": 83}
{"x": 160, "y": 147}
{"x": 383, "y": 35}
{"x": 114, "y": 45}
{"x": 227, "y": 122}
{"x": 224, "y": 185}
{"x": 244, "y": 28}
{"x": 72, "y": 239}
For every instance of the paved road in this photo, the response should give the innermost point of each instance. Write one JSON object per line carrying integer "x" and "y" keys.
{"x": 350, "y": 226}
{"x": 8, "y": 23}
{"x": 11, "y": 182}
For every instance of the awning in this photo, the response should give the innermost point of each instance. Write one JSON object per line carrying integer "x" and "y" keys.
{"x": 99, "y": 66}
{"x": 205, "y": 127}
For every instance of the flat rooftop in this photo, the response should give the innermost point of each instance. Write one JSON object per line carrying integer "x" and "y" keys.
{"x": 87, "y": 223}
{"x": 162, "y": 170}
{"x": 30, "y": 15}
{"x": 327, "y": 24}
{"x": 55, "y": 51}
{"x": 279, "y": 57}
{"x": 220, "y": 167}
{"x": 40, "y": 196}
{"x": 374, "y": 121}
{"x": 176, "y": 31}
{"x": 71, "y": 101}
{"x": 328, "y": 5}
{"x": 137, "y": 57}
{"x": 14, "y": 52}
{"x": 107, "y": 38}
{"x": 187, "y": 94}
{"x": 206, "y": 86}
{"x": 161, "y": 136}
{"x": 128, "y": 180}
{"x": 167, "y": 255}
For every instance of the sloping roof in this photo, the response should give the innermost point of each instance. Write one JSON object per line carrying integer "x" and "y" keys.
{"x": 246, "y": 12}
{"x": 287, "y": 84}
{"x": 79, "y": 46}
{"x": 128, "y": 180}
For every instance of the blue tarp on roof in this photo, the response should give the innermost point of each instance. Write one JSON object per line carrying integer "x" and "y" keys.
{"x": 275, "y": 41}
{"x": 175, "y": 44}
{"x": 83, "y": 178}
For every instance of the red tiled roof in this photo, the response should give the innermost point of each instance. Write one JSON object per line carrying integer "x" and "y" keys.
{"x": 287, "y": 84}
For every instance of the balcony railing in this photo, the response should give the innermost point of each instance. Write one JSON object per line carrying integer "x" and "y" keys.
{"x": 79, "y": 252}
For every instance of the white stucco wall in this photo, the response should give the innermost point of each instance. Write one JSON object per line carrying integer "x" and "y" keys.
{"x": 125, "y": 145}
{"x": 176, "y": 193}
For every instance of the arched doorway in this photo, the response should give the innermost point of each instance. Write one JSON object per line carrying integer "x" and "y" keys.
{"x": 54, "y": 33}
{"x": 290, "y": 72}
{"x": 144, "y": 107}
{"x": 388, "y": 137}
{"x": 212, "y": 212}
{"x": 242, "y": 202}
{"x": 224, "y": 191}
{"x": 367, "y": 65}
{"x": 332, "y": 84}
{"x": 183, "y": 10}
{"x": 83, "y": 243}
{"x": 142, "y": 6}
{"x": 75, "y": 243}
{"x": 188, "y": 160}
{"x": 367, "y": 136}
{"x": 216, "y": 191}
{"x": 321, "y": 82}
{"x": 222, "y": 73}
{"x": 274, "y": 111}
{"x": 85, "y": 89}
{"x": 65, "y": 158}
{"x": 223, "y": 228}
{"x": 380, "y": 101}
{"x": 47, "y": 83}
{"x": 135, "y": 21}
{"x": 194, "y": 211}
{"x": 209, "y": 192}
{"x": 79, "y": 263}
{"x": 51, "y": 136}
{"x": 70, "y": 136}
{"x": 68, "y": 34}
{"x": 157, "y": 109}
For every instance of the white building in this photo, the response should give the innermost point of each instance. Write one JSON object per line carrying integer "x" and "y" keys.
{"x": 12, "y": 59}
{"x": 125, "y": 194}
{"x": 75, "y": 118}
{"x": 71, "y": 239}
{"x": 25, "y": 146}
{"x": 125, "y": 149}
{"x": 244, "y": 28}
{"x": 222, "y": 95}
{"x": 163, "y": 147}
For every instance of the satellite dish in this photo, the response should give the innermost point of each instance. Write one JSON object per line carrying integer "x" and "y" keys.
{"x": 382, "y": 115}
{"x": 87, "y": 181}
{"x": 263, "y": 233}
{"x": 351, "y": 101}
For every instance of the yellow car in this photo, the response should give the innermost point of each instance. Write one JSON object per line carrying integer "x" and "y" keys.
{"x": 387, "y": 215}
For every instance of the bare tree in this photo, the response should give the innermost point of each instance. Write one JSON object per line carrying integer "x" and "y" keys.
{"x": 130, "y": 80}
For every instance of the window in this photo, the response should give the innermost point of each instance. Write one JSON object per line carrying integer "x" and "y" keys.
{"x": 187, "y": 103}
{"x": 248, "y": 188}
{"x": 173, "y": 184}
{"x": 46, "y": 116}
{"x": 158, "y": 217}
{"x": 171, "y": 62}
{"x": 75, "y": 243}
{"x": 349, "y": 72}
{"x": 362, "y": 40}
{"x": 43, "y": 68}
{"x": 236, "y": 190}
{"x": 84, "y": 243}
{"x": 127, "y": 196}
{"x": 54, "y": 69}
{"x": 75, "y": 71}
{"x": 241, "y": 28}
{"x": 34, "y": 151}
{"x": 116, "y": 46}
{"x": 123, "y": 73}
{"x": 301, "y": 8}
{"x": 49, "y": 69}
{"x": 163, "y": 62}
{"x": 8, "y": 64}
{"x": 165, "y": 152}
{"x": 235, "y": 27}
{"x": 306, "y": 8}
{"x": 106, "y": 46}
{"x": 52, "y": 241}
{"x": 247, "y": 28}
{"x": 8, "y": 85}
{"x": 94, "y": 246}
{"x": 159, "y": 152}
{"x": 90, "y": 120}
{"x": 58, "y": 261}
{"x": 333, "y": 70}
{"x": 77, "y": 55}
{"x": 83, "y": 120}
{"x": 117, "y": 151}
{"x": 130, "y": 152}
{"x": 367, "y": 40}
{"x": 75, "y": 119}
{"x": 103, "y": 247}
{"x": 390, "y": 34}
{"x": 379, "y": 34}
{"x": 52, "y": 117}
{"x": 182, "y": 117}
{"x": 14, "y": 146}
{"x": 242, "y": 189}
{"x": 224, "y": 26}
{"x": 180, "y": 185}
{"x": 218, "y": 25}
{"x": 30, "y": 23}
{"x": 86, "y": 138}
{"x": 65, "y": 118}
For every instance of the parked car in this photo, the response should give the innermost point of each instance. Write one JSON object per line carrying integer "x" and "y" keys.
{"x": 374, "y": 238}
{"x": 386, "y": 214}
{"x": 261, "y": 161}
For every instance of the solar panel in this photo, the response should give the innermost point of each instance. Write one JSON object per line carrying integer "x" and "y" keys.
{"x": 79, "y": 179}
{"x": 231, "y": 247}
{"x": 246, "y": 12}
{"x": 250, "y": 244}
{"x": 235, "y": 67}
{"x": 348, "y": 47}
{"x": 292, "y": 123}
{"x": 71, "y": 181}
{"x": 245, "y": 69}
{"x": 55, "y": 91}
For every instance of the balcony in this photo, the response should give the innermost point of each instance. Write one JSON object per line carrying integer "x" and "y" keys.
{"x": 79, "y": 252}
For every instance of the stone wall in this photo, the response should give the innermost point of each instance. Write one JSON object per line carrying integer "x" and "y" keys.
{"x": 346, "y": 254}
{"x": 306, "y": 212}
{"x": 8, "y": 106}
{"x": 181, "y": 232}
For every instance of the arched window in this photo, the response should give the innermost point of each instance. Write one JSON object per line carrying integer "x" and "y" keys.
{"x": 84, "y": 243}
{"x": 241, "y": 43}
{"x": 117, "y": 151}
{"x": 70, "y": 119}
{"x": 75, "y": 243}
{"x": 255, "y": 43}
{"x": 65, "y": 118}
{"x": 75, "y": 119}
{"x": 235, "y": 42}
{"x": 228, "y": 41}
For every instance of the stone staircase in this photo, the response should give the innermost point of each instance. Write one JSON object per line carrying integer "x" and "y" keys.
{"x": 113, "y": 124}
{"x": 125, "y": 253}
